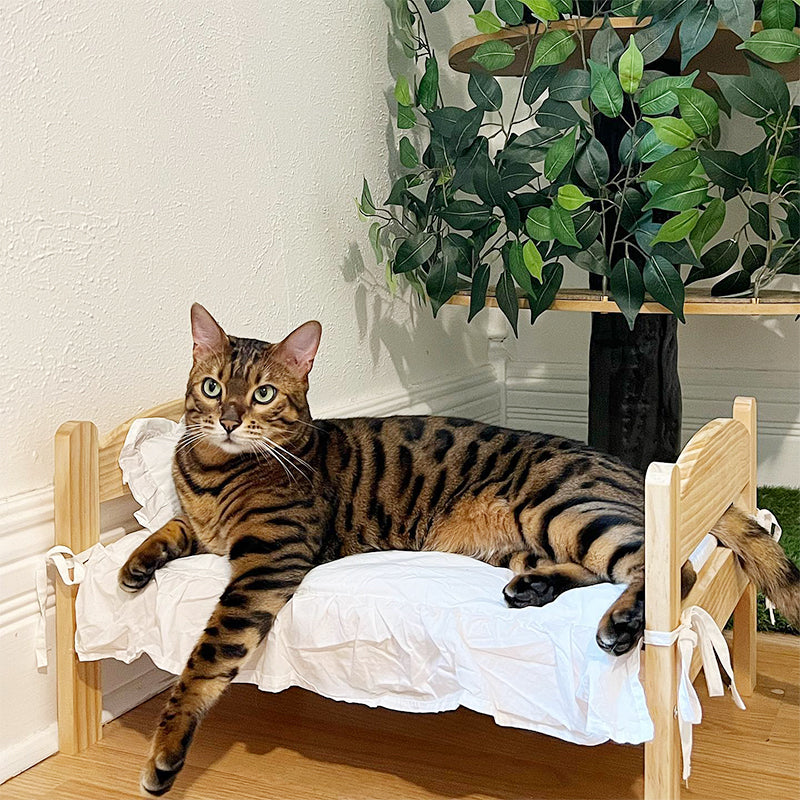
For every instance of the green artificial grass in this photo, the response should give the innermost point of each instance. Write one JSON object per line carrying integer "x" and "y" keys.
{"x": 784, "y": 503}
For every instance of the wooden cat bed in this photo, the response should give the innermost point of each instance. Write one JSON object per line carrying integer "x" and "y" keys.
{"x": 683, "y": 501}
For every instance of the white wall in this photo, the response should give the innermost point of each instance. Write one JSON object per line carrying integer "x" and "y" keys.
{"x": 157, "y": 153}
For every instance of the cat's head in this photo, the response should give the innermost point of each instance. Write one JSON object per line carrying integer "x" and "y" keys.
{"x": 245, "y": 395}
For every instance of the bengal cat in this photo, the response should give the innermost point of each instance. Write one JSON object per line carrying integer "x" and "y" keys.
{"x": 278, "y": 493}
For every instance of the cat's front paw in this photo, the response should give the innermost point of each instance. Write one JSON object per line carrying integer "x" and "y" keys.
{"x": 530, "y": 590}
{"x": 621, "y": 628}
{"x": 159, "y": 774}
{"x": 136, "y": 573}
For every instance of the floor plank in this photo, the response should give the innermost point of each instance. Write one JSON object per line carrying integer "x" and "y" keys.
{"x": 298, "y": 746}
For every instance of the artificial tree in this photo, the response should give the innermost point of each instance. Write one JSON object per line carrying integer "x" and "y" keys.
{"x": 604, "y": 156}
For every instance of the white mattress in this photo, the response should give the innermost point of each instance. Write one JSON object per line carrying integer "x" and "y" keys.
{"x": 417, "y": 632}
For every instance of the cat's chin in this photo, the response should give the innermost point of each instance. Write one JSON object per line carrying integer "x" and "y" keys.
{"x": 232, "y": 448}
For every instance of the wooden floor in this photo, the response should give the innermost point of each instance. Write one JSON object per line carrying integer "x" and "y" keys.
{"x": 298, "y": 746}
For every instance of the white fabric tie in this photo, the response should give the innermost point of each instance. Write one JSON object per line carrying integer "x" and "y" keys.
{"x": 64, "y": 560}
{"x": 766, "y": 519}
{"x": 697, "y": 627}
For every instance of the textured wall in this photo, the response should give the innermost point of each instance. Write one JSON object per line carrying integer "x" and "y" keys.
{"x": 156, "y": 153}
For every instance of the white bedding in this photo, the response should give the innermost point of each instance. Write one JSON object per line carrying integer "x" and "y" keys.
{"x": 408, "y": 631}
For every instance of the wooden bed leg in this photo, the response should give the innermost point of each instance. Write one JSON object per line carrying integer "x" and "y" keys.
{"x": 744, "y": 641}
{"x": 77, "y": 524}
{"x": 744, "y": 615}
{"x": 662, "y": 755}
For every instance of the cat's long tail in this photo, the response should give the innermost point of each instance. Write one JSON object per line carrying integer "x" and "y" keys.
{"x": 763, "y": 560}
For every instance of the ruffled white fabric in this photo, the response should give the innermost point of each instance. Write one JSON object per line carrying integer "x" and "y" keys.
{"x": 419, "y": 632}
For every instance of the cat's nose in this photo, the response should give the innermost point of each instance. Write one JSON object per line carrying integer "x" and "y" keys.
{"x": 230, "y": 425}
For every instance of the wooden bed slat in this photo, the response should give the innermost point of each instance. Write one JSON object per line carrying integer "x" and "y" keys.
{"x": 719, "y": 586}
{"x": 715, "y": 468}
{"x": 111, "y": 486}
{"x": 77, "y": 525}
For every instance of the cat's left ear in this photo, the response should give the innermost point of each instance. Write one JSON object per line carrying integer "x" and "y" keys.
{"x": 298, "y": 349}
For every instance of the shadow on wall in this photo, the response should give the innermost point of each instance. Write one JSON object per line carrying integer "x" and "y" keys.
{"x": 415, "y": 341}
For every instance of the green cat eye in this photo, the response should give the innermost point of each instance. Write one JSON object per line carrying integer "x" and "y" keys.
{"x": 211, "y": 388}
{"x": 265, "y": 394}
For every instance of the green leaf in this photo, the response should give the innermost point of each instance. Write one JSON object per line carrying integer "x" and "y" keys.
{"x": 592, "y": 259}
{"x": 406, "y": 118}
{"x": 516, "y": 175}
{"x": 625, "y": 8}
{"x": 672, "y": 130}
{"x": 606, "y": 90}
{"x": 375, "y": 241}
{"x": 627, "y": 286}
{"x": 510, "y": 11}
{"x": 554, "y": 47}
{"x": 539, "y": 225}
{"x": 718, "y": 260}
{"x": 533, "y": 260}
{"x": 759, "y": 220}
{"x": 775, "y": 45}
{"x": 592, "y": 164}
{"x": 555, "y": 114}
{"x": 776, "y": 92}
{"x": 572, "y": 85}
{"x": 778, "y": 14}
{"x": 506, "y": 294}
{"x": 631, "y": 67}
{"x": 465, "y": 215}
{"x": 726, "y": 169}
{"x": 736, "y": 283}
{"x": 415, "y": 250}
{"x": 487, "y": 182}
{"x": 651, "y": 148}
{"x": 436, "y": 5}
{"x": 563, "y": 226}
{"x": 402, "y": 92}
{"x": 658, "y": 97}
{"x": 530, "y": 146}
{"x": 515, "y": 262}
{"x": 744, "y": 93}
{"x": 477, "y": 294}
{"x": 542, "y": 9}
{"x": 699, "y": 110}
{"x": 367, "y": 206}
{"x": 630, "y": 204}
{"x": 542, "y": 296}
{"x": 485, "y": 90}
{"x": 785, "y": 170}
{"x": 679, "y": 196}
{"x": 678, "y": 227}
{"x": 486, "y": 22}
{"x": 466, "y": 129}
{"x": 672, "y": 168}
{"x": 738, "y": 15}
{"x": 655, "y": 39}
{"x": 606, "y": 45}
{"x": 697, "y": 31}
{"x": 537, "y": 81}
{"x": 429, "y": 85}
{"x": 442, "y": 282}
{"x": 559, "y": 155}
{"x": 664, "y": 283}
{"x": 754, "y": 257}
{"x": 408, "y": 154}
{"x": 494, "y": 55}
{"x": 571, "y": 197}
{"x": 708, "y": 225}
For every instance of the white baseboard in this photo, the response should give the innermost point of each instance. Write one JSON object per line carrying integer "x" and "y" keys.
{"x": 553, "y": 398}
{"x": 28, "y": 732}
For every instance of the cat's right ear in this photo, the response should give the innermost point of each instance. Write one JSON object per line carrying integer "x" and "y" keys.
{"x": 208, "y": 337}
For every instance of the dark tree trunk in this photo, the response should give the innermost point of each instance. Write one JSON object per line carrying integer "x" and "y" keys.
{"x": 634, "y": 389}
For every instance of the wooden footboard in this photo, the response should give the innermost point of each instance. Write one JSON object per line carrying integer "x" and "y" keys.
{"x": 683, "y": 501}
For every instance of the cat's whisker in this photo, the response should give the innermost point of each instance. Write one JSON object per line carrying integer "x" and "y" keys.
{"x": 299, "y": 461}
{"x": 268, "y": 450}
